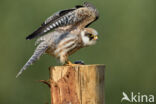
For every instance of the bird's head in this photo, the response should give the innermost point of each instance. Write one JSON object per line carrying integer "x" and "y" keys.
{"x": 89, "y": 36}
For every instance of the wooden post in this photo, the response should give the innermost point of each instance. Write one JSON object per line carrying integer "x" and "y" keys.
{"x": 80, "y": 84}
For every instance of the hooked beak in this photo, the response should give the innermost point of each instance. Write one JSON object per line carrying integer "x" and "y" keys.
{"x": 95, "y": 37}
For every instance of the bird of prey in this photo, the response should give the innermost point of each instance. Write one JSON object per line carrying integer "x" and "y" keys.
{"x": 70, "y": 33}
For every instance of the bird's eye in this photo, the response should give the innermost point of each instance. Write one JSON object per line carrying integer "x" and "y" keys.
{"x": 91, "y": 36}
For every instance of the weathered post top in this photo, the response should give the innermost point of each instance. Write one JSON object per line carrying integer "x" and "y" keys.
{"x": 78, "y": 84}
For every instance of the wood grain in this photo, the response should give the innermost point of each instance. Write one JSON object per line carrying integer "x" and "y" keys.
{"x": 79, "y": 84}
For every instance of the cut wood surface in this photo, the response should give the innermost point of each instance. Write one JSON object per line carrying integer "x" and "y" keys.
{"x": 79, "y": 84}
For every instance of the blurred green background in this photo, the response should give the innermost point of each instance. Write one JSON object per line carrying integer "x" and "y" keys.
{"x": 127, "y": 46}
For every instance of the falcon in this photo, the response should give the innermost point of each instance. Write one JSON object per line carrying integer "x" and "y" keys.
{"x": 64, "y": 33}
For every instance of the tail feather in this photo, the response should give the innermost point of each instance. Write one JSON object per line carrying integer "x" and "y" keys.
{"x": 38, "y": 52}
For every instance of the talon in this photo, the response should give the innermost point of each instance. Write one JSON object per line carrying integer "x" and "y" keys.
{"x": 68, "y": 63}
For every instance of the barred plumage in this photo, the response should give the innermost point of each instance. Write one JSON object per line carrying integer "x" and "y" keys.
{"x": 85, "y": 14}
{"x": 38, "y": 52}
{"x": 65, "y": 45}
{"x": 70, "y": 34}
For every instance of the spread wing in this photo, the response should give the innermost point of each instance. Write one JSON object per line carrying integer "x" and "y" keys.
{"x": 80, "y": 16}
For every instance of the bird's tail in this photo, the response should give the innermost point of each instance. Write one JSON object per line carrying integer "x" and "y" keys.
{"x": 41, "y": 48}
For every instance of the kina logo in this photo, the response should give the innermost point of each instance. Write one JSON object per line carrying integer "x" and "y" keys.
{"x": 138, "y": 97}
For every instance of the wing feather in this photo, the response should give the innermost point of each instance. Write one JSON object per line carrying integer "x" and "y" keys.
{"x": 80, "y": 16}
{"x": 56, "y": 16}
{"x": 45, "y": 25}
{"x": 38, "y": 52}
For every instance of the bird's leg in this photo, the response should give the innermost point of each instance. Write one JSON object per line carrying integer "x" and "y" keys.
{"x": 69, "y": 63}
{"x": 64, "y": 59}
